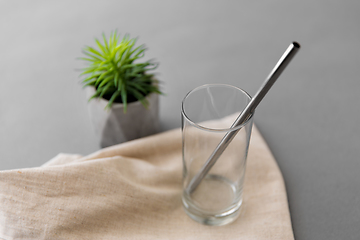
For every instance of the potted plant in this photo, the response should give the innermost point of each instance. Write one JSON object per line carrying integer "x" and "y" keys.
{"x": 124, "y": 95}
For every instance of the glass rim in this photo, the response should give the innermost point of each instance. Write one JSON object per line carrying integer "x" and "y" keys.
{"x": 215, "y": 129}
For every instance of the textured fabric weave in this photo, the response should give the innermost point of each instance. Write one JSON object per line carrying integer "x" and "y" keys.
{"x": 133, "y": 191}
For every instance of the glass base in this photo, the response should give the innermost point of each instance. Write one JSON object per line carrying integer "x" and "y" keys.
{"x": 215, "y": 202}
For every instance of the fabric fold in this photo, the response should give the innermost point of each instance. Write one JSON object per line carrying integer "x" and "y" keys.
{"x": 133, "y": 191}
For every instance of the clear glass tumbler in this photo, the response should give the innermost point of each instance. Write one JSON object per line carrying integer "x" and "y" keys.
{"x": 218, "y": 197}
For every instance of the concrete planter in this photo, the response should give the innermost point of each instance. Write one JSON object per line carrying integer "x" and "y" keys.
{"x": 114, "y": 126}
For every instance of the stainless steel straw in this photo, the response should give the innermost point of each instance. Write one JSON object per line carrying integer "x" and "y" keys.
{"x": 245, "y": 114}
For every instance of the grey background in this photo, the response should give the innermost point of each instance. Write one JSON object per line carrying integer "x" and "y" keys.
{"x": 309, "y": 118}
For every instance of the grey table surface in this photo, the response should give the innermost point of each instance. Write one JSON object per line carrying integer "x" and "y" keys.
{"x": 309, "y": 118}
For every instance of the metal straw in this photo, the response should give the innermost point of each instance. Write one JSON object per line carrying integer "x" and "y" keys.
{"x": 245, "y": 114}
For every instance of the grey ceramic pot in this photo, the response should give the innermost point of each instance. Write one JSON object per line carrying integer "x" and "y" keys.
{"x": 114, "y": 126}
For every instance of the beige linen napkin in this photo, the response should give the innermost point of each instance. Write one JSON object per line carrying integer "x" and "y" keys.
{"x": 133, "y": 191}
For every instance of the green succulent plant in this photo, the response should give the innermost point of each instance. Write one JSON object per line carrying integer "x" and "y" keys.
{"x": 113, "y": 73}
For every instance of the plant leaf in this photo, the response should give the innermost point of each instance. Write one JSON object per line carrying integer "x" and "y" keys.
{"x": 106, "y": 80}
{"x": 101, "y": 47}
{"x": 140, "y": 97}
{"x": 106, "y": 44}
{"x": 94, "y": 51}
{"x": 138, "y": 87}
{"x": 94, "y": 96}
{"x": 90, "y": 78}
{"x": 120, "y": 83}
{"x": 92, "y": 83}
{"x": 141, "y": 47}
{"x": 124, "y": 98}
{"x": 104, "y": 89}
{"x": 116, "y": 78}
{"x": 100, "y": 78}
{"x": 89, "y": 59}
{"x": 121, "y": 55}
{"x": 112, "y": 99}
